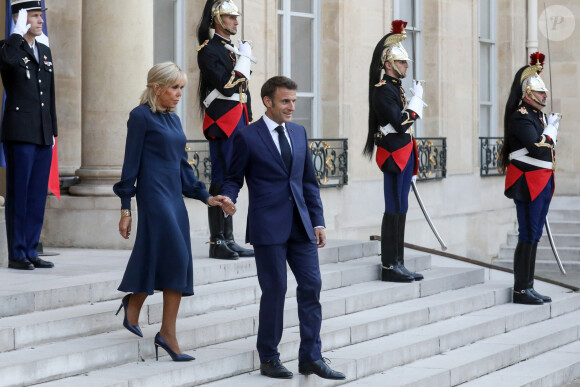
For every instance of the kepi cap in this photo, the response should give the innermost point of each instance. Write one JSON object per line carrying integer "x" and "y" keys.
{"x": 28, "y": 5}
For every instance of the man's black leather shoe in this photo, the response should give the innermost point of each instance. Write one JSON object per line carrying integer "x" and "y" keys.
{"x": 20, "y": 264}
{"x": 40, "y": 263}
{"x": 275, "y": 369}
{"x": 319, "y": 368}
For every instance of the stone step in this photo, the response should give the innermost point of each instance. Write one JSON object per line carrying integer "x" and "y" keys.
{"x": 49, "y": 326}
{"x": 565, "y": 227}
{"x": 238, "y": 355}
{"x": 387, "y": 361}
{"x": 565, "y": 202}
{"x": 102, "y": 270}
{"x": 554, "y": 368}
{"x": 563, "y": 214}
{"x": 543, "y": 252}
{"x": 562, "y": 240}
{"x": 487, "y": 356}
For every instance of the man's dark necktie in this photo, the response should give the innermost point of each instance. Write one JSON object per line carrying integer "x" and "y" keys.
{"x": 284, "y": 147}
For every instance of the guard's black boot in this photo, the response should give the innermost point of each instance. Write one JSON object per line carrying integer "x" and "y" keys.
{"x": 391, "y": 270}
{"x": 401, "y": 247}
{"x": 218, "y": 247}
{"x": 523, "y": 295}
{"x": 532, "y": 269}
{"x": 229, "y": 237}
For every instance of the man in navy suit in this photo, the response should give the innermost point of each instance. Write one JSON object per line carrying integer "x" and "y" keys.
{"x": 28, "y": 131}
{"x": 285, "y": 224}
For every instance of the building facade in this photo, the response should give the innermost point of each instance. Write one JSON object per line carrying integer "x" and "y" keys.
{"x": 466, "y": 51}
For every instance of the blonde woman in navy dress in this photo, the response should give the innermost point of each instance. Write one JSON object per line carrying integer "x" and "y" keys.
{"x": 157, "y": 172}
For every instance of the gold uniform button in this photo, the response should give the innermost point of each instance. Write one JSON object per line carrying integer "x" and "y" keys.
{"x": 42, "y": 104}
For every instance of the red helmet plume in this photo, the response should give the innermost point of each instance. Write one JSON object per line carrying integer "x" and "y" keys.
{"x": 537, "y": 57}
{"x": 398, "y": 26}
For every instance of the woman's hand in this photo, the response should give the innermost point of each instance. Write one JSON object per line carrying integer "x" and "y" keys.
{"x": 214, "y": 201}
{"x": 125, "y": 226}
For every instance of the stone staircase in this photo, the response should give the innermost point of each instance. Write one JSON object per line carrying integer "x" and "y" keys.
{"x": 58, "y": 328}
{"x": 564, "y": 217}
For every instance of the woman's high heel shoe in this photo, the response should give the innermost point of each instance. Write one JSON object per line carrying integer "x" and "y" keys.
{"x": 160, "y": 342}
{"x": 130, "y": 327}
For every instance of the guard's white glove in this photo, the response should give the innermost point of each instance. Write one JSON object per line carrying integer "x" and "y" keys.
{"x": 243, "y": 63}
{"x": 414, "y": 179}
{"x": 245, "y": 48}
{"x": 21, "y": 27}
{"x": 417, "y": 89}
{"x": 554, "y": 119}
{"x": 42, "y": 39}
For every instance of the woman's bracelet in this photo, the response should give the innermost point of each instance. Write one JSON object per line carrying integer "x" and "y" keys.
{"x": 125, "y": 212}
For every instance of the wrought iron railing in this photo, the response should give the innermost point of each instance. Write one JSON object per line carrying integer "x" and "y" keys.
{"x": 432, "y": 152}
{"x": 489, "y": 151}
{"x": 330, "y": 159}
{"x": 198, "y": 157}
{"x": 329, "y": 156}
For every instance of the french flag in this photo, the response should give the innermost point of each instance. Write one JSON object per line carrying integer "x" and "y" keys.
{"x": 53, "y": 180}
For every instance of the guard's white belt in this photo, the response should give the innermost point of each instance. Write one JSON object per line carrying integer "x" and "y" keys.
{"x": 215, "y": 94}
{"x": 520, "y": 155}
{"x": 388, "y": 129}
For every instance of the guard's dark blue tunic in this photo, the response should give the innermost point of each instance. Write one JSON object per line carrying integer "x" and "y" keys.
{"x": 155, "y": 158}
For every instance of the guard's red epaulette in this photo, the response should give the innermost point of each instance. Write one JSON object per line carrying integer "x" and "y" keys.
{"x": 383, "y": 82}
{"x": 202, "y": 45}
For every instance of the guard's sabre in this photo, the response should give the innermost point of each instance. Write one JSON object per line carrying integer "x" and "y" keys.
{"x": 551, "y": 239}
{"x": 427, "y": 217}
{"x": 549, "y": 61}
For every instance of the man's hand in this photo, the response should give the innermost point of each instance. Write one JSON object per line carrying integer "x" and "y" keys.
{"x": 320, "y": 237}
{"x": 417, "y": 89}
{"x": 125, "y": 226}
{"x": 21, "y": 27}
{"x": 228, "y": 206}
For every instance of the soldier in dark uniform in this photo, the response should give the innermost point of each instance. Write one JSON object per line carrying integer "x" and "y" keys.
{"x": 528, "y": 158}
{"x": 225, "y": 101}
{"x": 28, "y": 128}
{"x": 391, "y": 119}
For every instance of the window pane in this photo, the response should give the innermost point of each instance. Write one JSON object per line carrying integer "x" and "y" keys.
{"x": 484, "y": 19}
{"x": 484, "y": 121}
{"x": 163, "y": 31}
{"x": 484, "y": 72}
{"x": 408, "y": 44}
{"x": 280, "y": 48}
{"x": 406, "y": 11}
{"x": 302, "y": 6}
{"x": 303, "y": 113}
{"x": 302, "y": 53}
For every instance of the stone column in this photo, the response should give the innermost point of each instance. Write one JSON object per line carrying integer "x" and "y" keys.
{"x": 117, "y": 52}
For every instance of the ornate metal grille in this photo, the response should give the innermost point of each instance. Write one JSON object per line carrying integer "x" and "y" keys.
{"x": 329, "y": 157}
{"x": 432, "y": 157}
{"x": 198, "y": 157}
{"x": 489, "y": 151}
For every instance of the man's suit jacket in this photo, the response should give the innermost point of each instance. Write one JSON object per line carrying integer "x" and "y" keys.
{"x": 30, "y": 113}
{"x": 273, "y": 191}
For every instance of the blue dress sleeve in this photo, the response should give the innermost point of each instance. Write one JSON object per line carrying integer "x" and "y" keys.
{"x": 136, "y": 130}
{"x": 190, "y": 186}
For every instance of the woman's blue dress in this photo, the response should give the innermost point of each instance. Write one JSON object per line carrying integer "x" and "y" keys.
{"x": 156, "y": 170}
